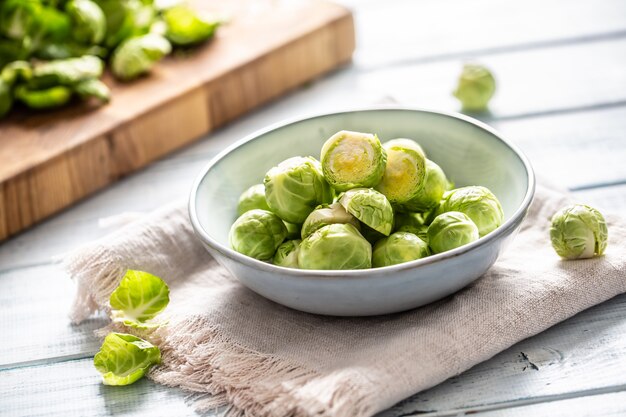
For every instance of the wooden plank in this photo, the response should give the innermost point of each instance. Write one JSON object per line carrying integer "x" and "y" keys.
{"x": 74, "y": 388}
{"x": 530, "y": 82}
{"x": 34, "y": 305}
{"x": 605, "y": 198}
{"x": 605, "y": 405}
{"x": 431, "y": 29}
{"x": 582, "y": 353}
{"x": 46, "y": 159}
{"x": 576, "y": 149}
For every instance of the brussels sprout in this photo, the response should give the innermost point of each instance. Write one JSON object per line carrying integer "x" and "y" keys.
{"x": 451, "y": 230}
{"x": 370, "y": 207}
{"x": 336, "y": 246}
{"x": 257, "y": 233}
{"x": 186, "y": 27}
{"x": 16, "y": 71}
{"x": 252, "y": 198}
{"x": 6, "y": 98}
{"x": 352, "y": 160}
{"x": 295, "y": 187}
{"x": 88, "y": 21}
{"x": 287, "y": 254}
{"x": 475, "y": 88}
{"x": 478, "y": 203}
{"x": 18, "y": 17}
{"x": 404, "y": 173}
{"x": 325, "y": 215}
{"x": 136, "y": 56}
{"x": 398, "y": 248}
{"x": 429, "y": 196}
{"x": 419, "y": 231}
{"x": 578, "y": 231}
{"x": 93, "y": 88}
{"x": 405, "y": 143}
{"x": 120, "y": 17}
{"x": 65, "y": 72}
{"x": 43, "y": 99}
{"x": 139, "y": 298}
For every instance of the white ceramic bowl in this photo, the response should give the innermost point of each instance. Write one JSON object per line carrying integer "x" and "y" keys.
{"x": 469, "y": 152}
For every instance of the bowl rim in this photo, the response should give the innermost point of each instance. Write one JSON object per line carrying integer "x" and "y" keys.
{"x": 501, "y": 231}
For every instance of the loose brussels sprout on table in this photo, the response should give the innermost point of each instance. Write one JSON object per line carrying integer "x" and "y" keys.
{"x": 384, "y": 189}
{"x": 578, "y": 232}
{"x": 476, "y": 87}
{"x": 51, "y": 51}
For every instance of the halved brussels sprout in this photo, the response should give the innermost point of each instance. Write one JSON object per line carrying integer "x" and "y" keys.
{"x": 578, "y": 231}
{"x": 325, "y": 215}
{"x": 137, "y": 55}
{"x": 336, "y": 246}
{"x": 370, "y": 207}
{"x": 475, "y": 88}
{"x": 252, "y": 198}
{"x": 287, "y": 254}
{"x": 88, "y": 21}
{"x": 404, "y": 172}
{"x": 405, "y": 143}
{"x": 451, "y": 230}
{"x": 478, "y": 203}
{"x": 398, "y": 248}
{"x": 429, "y": 196}
{"x": 295, "y": 187}
{"x": 352, "y": 160}
{"x": 257, "y": 233}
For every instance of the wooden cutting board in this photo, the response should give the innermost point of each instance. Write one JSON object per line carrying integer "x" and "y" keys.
{"x": 51, "y": 159}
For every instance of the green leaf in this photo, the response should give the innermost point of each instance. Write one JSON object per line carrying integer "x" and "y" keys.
{"x": 93, "y": 88}
{"x": 124, "y": 358}
{"x": 139, "y": 298}
{"x": 186, "y": 27}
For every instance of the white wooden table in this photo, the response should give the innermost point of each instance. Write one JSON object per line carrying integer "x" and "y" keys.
{"x": 561, "y": 67}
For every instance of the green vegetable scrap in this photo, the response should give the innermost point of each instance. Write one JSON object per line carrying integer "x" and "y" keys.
{"x": 124, "y": 358}
{"x": 186, "y": 27}
{"x": 51, "y": 51}
{"x": 578, "y": 232}
{"x": 137, "y": 55}
{"x": 475, "y": 88}
{"x": 138, "y": 299}
{"x": 393, "y": 198}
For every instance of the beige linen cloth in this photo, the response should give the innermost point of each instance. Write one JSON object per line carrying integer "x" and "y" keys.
{"x": 267, "y": 360}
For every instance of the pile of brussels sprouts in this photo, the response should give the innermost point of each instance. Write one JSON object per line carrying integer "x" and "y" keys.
{"x": 53, "y": 50}
{"x": 365, "y": 205}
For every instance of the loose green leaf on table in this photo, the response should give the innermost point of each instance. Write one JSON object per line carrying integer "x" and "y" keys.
{"x": 136, "y": 56}
{"x": 66, "y": 72}
{"x": 138, "y": 299}
{"x": 93, "y": 88}
{"x": 186, "y": 27}
{"x": 124, "y": 358}
{"x": 45, "y": 98}
{"x": 88, "y": 21}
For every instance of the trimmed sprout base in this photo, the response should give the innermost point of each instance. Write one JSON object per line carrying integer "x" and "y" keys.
{"x": 393, "y": 207}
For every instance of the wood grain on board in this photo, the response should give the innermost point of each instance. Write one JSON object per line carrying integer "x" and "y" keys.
{"x": 50, "y": 160}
